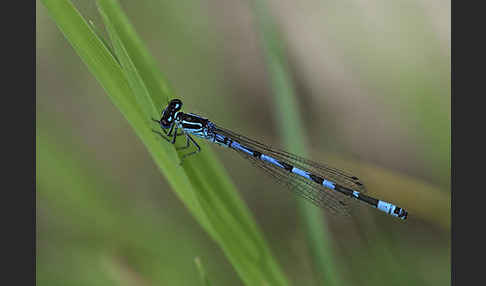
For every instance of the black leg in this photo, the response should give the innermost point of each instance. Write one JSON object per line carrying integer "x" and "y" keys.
{"x": 158, "y": 123}
{"x": 192, "y": 153}
{"x": 171, "y": 129}
{"x": 155, "y": 120}
{"x": 168, "y": 138}
{"x": 174, "y": 137}
{"x": 187, "y": 144}
{"x": 161, "y": 135}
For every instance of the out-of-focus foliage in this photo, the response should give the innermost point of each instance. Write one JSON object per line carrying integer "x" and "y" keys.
{"x": 372, "y": 81}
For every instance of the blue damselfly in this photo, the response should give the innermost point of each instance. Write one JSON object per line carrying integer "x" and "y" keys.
{"x": 322, "y": 185}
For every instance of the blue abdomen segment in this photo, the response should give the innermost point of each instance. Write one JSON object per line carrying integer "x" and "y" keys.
{"x": 301, "y": 173}
{"x": 238, "y": 147}
{"x": 271, "y": 160}
{"x": 392, "y": 209}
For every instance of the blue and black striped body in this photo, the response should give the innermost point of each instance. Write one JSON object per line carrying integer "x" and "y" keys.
{"x": 322, "y": 185}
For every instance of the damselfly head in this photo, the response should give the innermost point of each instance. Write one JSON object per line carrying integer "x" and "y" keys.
{"x": 169, "y": 113}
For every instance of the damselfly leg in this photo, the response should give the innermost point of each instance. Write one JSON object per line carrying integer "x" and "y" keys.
{"x": 167, "y": 133}
{"x": 171, "y": 138}
{"x": 193, "y": 152}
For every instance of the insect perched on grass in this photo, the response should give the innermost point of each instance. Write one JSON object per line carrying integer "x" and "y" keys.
{"x": 324, "y": 186}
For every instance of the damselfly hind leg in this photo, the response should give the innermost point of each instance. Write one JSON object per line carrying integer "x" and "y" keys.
{"x": 163, "y": 136}
{"x": 189, "y": 138}
{"x": 174, "y": 137}
{"x": 187, "y": 144}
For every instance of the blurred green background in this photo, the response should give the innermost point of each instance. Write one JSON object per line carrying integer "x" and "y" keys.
{"x": 372, "y": 81}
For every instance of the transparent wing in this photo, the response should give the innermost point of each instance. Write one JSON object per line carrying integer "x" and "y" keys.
{"x": 332, "y": 174}
{"x": 314, "y": 193}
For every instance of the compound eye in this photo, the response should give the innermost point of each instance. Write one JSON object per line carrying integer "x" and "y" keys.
{"x": 175, "y": 104}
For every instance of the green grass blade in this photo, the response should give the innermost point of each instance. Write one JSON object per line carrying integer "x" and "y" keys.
{"x": 100, "y": 36}
{"x": 156, "y": 84}
{"x": 202, "y": 272}
{"x": 292, "y": 131}
{"x": 134, "y": 79}
{"x": 109, "y": 74}
{"x": 135, "y": 87}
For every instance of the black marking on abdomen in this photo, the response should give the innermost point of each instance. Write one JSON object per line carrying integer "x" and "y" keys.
{"x": 360, "y": 196}
{"x": 316, "y": 178}
{"x": 401, "y": 213}
{"x": 344, "y": 190}
{"x": 257, "y": 154}
{"x": 286, "y": 166}
{"x": 369, "y": 200}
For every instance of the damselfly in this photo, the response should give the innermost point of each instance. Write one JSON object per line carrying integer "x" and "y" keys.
{"x": 322, "y": 185}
